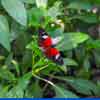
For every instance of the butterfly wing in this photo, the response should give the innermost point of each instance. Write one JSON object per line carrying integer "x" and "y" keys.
{"x": 46, "y": 44}
{"x": 54, "y": 55}
{"x": 45, "y": 40}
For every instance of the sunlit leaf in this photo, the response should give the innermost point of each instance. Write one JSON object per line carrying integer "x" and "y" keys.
{"x": 4, "y": 27}
{"x": 28, "y": 1}
{"x": 4, "y": 32}
{"x": 16, "y": 9}
{"x": 35, "y": 16}
{"x": 41, "y": 3}
{"x": 71, "y": 40}
{"x": 5, "y": 40}
{"x": 54, "y": 11}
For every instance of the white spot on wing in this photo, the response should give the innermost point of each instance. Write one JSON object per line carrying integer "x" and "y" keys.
{"x": 56, "y": 40}
{"x": 44, "y": 36}
{"x": 57, "y": 56}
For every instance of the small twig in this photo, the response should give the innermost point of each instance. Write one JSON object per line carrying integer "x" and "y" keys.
{"x": 50, "y": 79}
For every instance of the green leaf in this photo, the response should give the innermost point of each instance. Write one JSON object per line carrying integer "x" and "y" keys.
{"x": 15, "y": 92}
{"x": 15, "y": 31}
{"x": 80, "y": 5}
{"x": 55, "y": 32}
{"x": 4, "y": 90}
{"x": 6, "y": 74}
{"x": 41, "y": 3}
{"x": 54, "y": 11}
{"x": 18, "y": 90}
{"x": 16, "y": 65}
{"x": 36, "y": 90}
{"x": 24, "y": 80}
{"x": 35, "y": 16}
{"x": 28, "y": 1}
{"x": 4, "y": 27}
{"x": 96, "y": 2}
{"x": 60, "y": 92}
{"x": 5, "y": 40}
{"x": 88, "y": 18}
{"x": 86, "y": 64}
{"x": 4, "y": 32}
{"x": 71, "y": 40}
{"x": 70, "y": 62}
{"x": 63, "y": 93}
{"x": 83, "y": 86}
{"x": 8, "y": 59}
{"x": 93, "y": 43}
{"x": 16, "y": 9}
{"x": 97, "y": 58}
{"x": 84, "y": 73}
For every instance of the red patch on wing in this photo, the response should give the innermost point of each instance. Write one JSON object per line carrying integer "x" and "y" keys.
{"x": 50, "y": 52}
{"x": 46, "y": 43}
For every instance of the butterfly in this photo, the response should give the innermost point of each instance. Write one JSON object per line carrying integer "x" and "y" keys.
{"x": 47, "y": 45}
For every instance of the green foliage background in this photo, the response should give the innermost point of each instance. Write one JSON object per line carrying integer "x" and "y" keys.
{"x": 26, "y": 72}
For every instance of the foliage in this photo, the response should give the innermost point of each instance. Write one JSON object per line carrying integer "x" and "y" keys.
{"x": 26, "y": 72}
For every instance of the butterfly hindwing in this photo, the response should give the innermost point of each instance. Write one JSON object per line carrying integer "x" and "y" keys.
{"x": 54, "y": 55}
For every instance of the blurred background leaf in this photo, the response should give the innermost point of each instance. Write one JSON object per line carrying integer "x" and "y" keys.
{"x": 16, "y": 9}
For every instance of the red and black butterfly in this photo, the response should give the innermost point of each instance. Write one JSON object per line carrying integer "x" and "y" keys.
{"x": 46, "y": 43}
